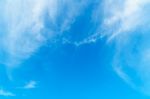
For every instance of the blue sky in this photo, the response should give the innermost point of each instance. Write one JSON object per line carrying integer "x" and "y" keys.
{"x": 74, "y": 49}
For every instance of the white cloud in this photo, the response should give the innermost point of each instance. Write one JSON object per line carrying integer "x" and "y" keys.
{"x": 124, "y": 76}
{"x": 6, "y": 93}
{"x": 25, "y": 26}
{"x": 24, "y": 31}
{"x": 119, "y": 17}
{"x": 125, "y": 16}
{"x": 30, "y": 85}
{"x": 127, "y": 25}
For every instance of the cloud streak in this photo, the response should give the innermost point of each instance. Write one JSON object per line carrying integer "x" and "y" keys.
{"x": 124, "y": 16}
{"x": 28, "y": 24}
{"x": 128, "y": 25}
{"x": 24, "y": 32}
{"x": 6, "y": 93}
{"x": 30, "y": 85}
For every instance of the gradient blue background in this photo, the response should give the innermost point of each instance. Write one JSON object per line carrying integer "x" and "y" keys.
{"x": 67, "y": 71}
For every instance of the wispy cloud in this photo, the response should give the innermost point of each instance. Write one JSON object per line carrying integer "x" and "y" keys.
{"x": 6, "y": 93}
{"x": 124, "y": 16}
{"x": 26, "y": 29}
{"x": 30, "y": 85}
{"x": 123, "y": 75}
{"x": 127, "y": 24}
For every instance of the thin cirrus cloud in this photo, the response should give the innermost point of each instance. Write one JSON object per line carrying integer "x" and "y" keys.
{"x": 128, "y": 25}
{"x": 24, "y": 31}
{"x": 30, "y": 85}
{"x": 6, "y": 93}
{"x": 24, "y": 28}
{"x": 124, "y": 16}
